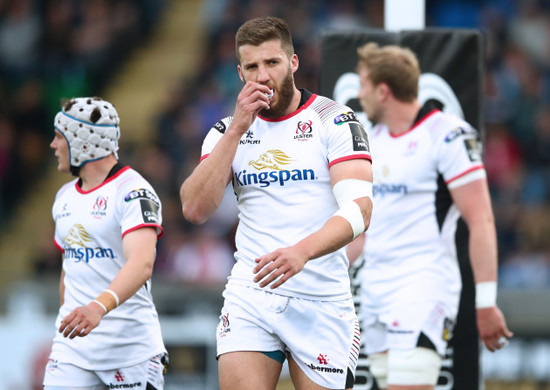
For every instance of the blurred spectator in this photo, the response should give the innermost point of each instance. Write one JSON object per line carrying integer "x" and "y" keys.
{"x": 201, "y": 258}
{"x": 50, "y": 50}
{"x": 20, "y": 30}
{"x": 526, "y": 270}
{"x": 8, "y": 162}
{"x": 47, "y": 262}
{"x": 530, "y": 96}
{"x": 502, "y": 157}
{"x": 529, "y": 265}
{"x": 537, "y": 181}
{"x": 530, "y": 31}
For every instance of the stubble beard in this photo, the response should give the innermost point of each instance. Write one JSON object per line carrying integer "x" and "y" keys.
{"x": 375, "y": 116}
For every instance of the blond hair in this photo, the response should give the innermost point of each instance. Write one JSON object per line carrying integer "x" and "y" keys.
{"x": 393, "y": 65}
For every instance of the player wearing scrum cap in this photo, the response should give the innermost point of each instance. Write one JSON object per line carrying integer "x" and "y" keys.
{"x": 107, "y": 221}
{"x": 300, "y": 167}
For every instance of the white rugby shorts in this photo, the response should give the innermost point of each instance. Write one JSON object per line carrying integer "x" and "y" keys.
{"x": 321, "y": 336}
{"x": 63, "y": 375}
{"x": 400, "y": 326}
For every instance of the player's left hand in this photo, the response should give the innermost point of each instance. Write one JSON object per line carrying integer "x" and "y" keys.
{"x": 279, "y": 266}
{"x": 81, "y": 320}
{"x": 492, "y": 328}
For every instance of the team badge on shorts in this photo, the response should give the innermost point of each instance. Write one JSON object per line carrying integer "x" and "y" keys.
{"x": 223, "y": 326}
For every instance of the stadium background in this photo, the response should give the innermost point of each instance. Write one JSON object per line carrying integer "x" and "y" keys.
{"x": 169, "y": 67}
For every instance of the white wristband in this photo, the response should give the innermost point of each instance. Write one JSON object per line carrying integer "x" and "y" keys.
{"x": 100, "y": 304}
{"x": 114, "y": 294}
{"x": 486, "y": 294}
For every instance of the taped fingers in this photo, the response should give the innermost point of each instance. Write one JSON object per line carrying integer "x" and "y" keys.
{"x": 503, "y": 341}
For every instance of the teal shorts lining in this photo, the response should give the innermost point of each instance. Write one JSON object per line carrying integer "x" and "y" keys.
{"x": 276, "y": 355}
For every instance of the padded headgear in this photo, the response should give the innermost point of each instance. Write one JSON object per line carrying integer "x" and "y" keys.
{"x": 90, "y": 126}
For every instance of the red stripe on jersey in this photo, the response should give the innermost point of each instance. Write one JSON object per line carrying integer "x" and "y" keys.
{"x": 80, "y": 190}
{"x": 352, "y": 157}
{"x": 58, "y": 246}
{"x": 302, "y": 108}
{"x": 415, "y": 125}
{"x": 153, "y": 225}
{"x": 475, "y": 168}
{"x": 203, "y": 157}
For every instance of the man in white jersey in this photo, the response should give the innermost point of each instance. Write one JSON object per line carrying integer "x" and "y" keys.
{"x": 428, "y": 172}
{"x": 107, "y": 222}
{"x": 300, "y": 168}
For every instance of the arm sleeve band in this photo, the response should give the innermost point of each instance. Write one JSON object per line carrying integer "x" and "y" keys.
{"x": 351, "y": 212}
{"x": 351, "y": 189}
{"x": 345, "y": 192}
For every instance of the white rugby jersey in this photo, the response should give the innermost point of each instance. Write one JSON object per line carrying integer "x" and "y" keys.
{"x": 282, "y": 183}
{"x": 410, "y": 246}
{"x": 89, "y": 227}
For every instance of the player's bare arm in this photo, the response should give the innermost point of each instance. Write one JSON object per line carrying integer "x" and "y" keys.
{"x": 139, "y": 251}
{"x": 203, "y": 191}
{"x": 277, "y": 267}
{"x": 355, "y": 248}
{"x": 62, "y": 284}
{"x": 473, "y": 202}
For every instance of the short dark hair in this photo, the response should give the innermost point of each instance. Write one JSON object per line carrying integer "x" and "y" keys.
{"x": 259, "y": 30}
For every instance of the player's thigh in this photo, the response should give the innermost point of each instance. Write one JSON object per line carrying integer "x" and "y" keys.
{"x": 299, "y": 379}
{"x": 374, "y": 337}
{"x": 247, "y": 321}
{"x": 248, "y": 370}
{"x": 419, "y": 324}
{"x": 66, "y": 376}
{"x": 322, "y": 338}
{"x": 145, "y": 375}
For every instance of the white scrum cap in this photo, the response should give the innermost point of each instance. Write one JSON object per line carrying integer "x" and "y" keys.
{"x": 90, "y": 126}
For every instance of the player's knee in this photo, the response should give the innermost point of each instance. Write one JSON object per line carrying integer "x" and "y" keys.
{"x": 418, "y": 366}
{"x": 379, "y": 368}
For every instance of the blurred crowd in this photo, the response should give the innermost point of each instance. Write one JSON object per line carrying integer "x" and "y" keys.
{"x": 68, "y": 47}
{"x": 51, "y": 49}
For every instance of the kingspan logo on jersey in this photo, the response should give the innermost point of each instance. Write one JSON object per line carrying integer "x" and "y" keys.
{"x": 271, "y": 161}
{"x": 385, "y": 189}
{"x": 79, "y": 237}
